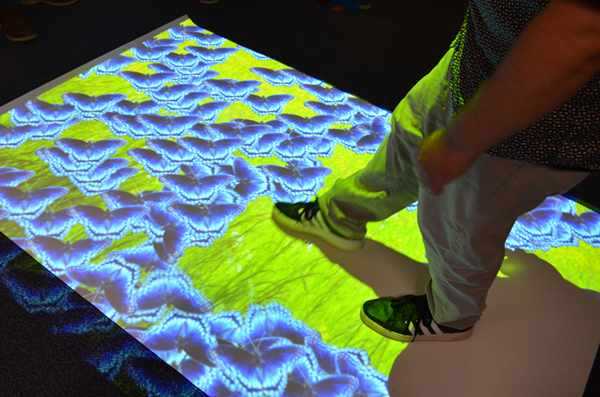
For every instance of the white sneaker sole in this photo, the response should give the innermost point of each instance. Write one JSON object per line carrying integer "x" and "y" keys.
{"x": 443, "y": 337}
{"x": 334, "y": 240}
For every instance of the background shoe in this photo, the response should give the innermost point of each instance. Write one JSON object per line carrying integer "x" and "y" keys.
{"x": 408, "y": 319}
{"x": 209, "y": 1}
{"x": 15, "y": 26}
{"x": 51, "y": 2}
{"x": 307, "y": 218}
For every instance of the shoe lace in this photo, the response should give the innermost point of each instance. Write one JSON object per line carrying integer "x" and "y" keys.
{"x": 413, "y": 309}
{"x": 310, "y": 210}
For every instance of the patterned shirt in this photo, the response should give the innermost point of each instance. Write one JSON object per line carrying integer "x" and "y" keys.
{"x": 569, "y": 137}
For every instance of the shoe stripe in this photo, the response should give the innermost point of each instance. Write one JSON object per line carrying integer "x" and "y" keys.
{"x": 425, "y": 328}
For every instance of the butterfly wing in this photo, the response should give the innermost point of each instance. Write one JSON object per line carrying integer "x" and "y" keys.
{"x": 273, "y": 77}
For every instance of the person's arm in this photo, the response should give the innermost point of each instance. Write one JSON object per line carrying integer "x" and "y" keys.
{"x": 556, "y": 55}
{"x": 553, "y": 58}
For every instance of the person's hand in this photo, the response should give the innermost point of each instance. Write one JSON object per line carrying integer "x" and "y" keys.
{"x": 441, "y": 160}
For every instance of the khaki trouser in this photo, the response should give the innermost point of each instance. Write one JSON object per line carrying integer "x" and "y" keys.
{"x": 465, "y": 228}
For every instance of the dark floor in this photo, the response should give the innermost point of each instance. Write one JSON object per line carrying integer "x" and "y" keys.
{"x": 348, "y": 50}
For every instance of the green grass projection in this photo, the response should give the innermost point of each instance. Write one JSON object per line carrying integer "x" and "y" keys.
{"x": 255, "y": 262}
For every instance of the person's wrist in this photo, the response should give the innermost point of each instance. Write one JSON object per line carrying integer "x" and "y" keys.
{"x": 458, "y": 141}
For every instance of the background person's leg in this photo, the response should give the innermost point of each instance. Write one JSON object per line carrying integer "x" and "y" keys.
{"x": 465, "y": 228}
{"x": 389, "y": 183}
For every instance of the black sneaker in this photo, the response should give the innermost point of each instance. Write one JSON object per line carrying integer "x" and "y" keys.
{"x": 408, "y": 319}
{"x": 307, "y": 218}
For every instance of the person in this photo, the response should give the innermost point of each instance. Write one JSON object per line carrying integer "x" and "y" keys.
{"x": 530, "y": 129}
{"x": 15, "y": 25}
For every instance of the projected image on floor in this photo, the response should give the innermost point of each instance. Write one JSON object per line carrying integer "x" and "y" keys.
{"x": 147, "y": 183}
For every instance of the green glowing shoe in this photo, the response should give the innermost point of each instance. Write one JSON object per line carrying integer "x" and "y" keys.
{"x": 307, "y": 218}
{"x": 408, "y": 319}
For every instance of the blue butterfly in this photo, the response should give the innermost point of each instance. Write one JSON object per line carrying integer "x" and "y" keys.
{"x": 343, "y": 113}
{"x": 250, "y": 181}
{"x": 185, "y": 61}
{"x": 207, "y": 40}
{"x": 275, "y": 320}
{"x": 294, "y": 148}
{"x": 348, "y": 138}
{"x": 21, "y": 116}
{"x": 198, "y": 80}
{"x": 276, "y": 125}
{"x": 212, "y": 55}
{"x": 111, "y": 183}
{"x": 228, "y": 326}
{"x": 117, "y": 199}
{"x": 134, "y": 108}
{"x": 208, "y": 112}
{"x": 297, "y": 177}
{"x": 153, "y": 163}
{"x": 115, "y": 126}
{"x": 162, "y": 42}
{"x": 170, "y": 288}
{"x": 199, "y": 73}
{"x": 280, "y": 195}
{"x": 86, "y": 74}
{"x": 255, "y": 54}
{"x": 377, "y": 131}
{"x": 85, "y": 152}
{"x": 100, "y": 173}
{"x": 51, "y": 224}
{"x": 51, "y": 131}
{"x": 131, "y": 126}
{"x": 172, "y": 93}
{"x": 101, "y": 225}
{"x": 230, "y": 90}
{"x": 367, "y": 109}
{"x": 186, "y": 104}
{"x": 181, "y": 32}
{"x": 211, "y": 151}
{"x": 260, "y": 367}
{"x": 113, "y": 280}
{"x": 161, "y": 226}
{"x": 143, "y": 255}
{"x": 160, "y": 68}
{"x": 56, "y": 255}
{"x": 327, "y": 95}
{"x": 147, "y": 82}
{"x": 265, "y": 106}
{"x": 274, "y": 77}
{"x": 206, "y": 220}
{"x": 90, "y": 107}
{"x": 51, "y": 113}
{"x": 264, "y": 146}
{"x": 114, "y": 65}
{"x": 153, "y": 54}
{"x": 301, "y": 78}
{"x": 249, "y": 134}
{"x": 196, "y": 190}
{"x": 13, "y": 137}
{"x": 13, "y": 177}
{"x": 355, "y": 363}
{"x": 172, "y": 151}
{"x": 323, "y": 148}
{"x": 60, "y": 164}
{"x": 182, "y": 332}
{"x": 308, "y": 126}
{"x": 28, "y": 204}
{"x": 167, "y": 126}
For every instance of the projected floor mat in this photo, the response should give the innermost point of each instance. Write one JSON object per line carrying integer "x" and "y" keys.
{"x": 146, "y": 183}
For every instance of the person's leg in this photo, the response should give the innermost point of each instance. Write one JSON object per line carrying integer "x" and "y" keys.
{"x": 465, "y": 229}
{"x": 389, "y": 183}
{"x": 13, "y": 23}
